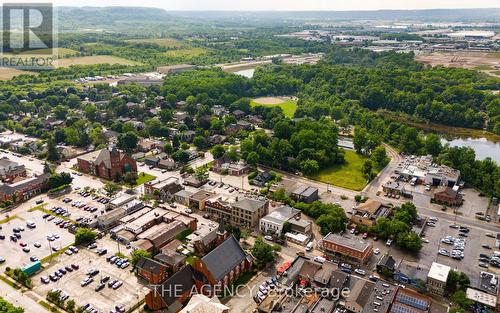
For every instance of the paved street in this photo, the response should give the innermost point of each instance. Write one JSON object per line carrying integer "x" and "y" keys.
{"x": 24, "y": 300}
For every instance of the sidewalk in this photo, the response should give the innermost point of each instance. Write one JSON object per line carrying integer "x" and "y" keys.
{"x": 19, "y": 299}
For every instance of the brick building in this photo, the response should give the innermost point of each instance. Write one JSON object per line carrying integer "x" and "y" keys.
{"x": 152, "y": 271}
{"x": 25, "y": 189}
{"x": 108, "y": 164}
{"x": 345, "y": 247}
{"x": 9, "y": 170}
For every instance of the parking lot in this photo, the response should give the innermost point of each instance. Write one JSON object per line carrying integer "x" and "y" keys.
{"x": 107, "y": 298}
{"x": 13, "y": 251}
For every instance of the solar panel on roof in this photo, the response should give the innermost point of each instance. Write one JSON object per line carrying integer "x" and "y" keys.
{"x": 412, "y": 301}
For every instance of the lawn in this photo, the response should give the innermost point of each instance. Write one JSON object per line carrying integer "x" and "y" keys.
{"x": 185, "y": 53}
{"x": 142, "y": 178}
{"x": 7, "y": 73}
{"x": 347, "y": 175}
{"x": 288, "y": 106}
{"x": 164, "y": 42}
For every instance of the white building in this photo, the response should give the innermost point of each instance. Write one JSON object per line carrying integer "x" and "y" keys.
{"x": 437, "y": 277}
{"x": 274, "y": 221}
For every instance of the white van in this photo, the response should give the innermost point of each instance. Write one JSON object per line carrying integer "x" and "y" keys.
{"x": 309, "y": 246}
{"x": 319, "y": 259}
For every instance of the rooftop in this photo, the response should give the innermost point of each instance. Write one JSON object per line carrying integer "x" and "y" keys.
{"x": 248, "y": 204}
{"x": 439, "y": 272}
{"x": 348, "y": 241}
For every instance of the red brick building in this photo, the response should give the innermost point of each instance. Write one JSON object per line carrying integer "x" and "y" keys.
{"x": 347, "y": 248}
{"x": 152, "y": 271}
{"x": 25, "y": 189}
{"x": 447, "y": 195}
{"x": 108, "y": 164}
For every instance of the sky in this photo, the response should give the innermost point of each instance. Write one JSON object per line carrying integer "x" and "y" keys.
{"x": 288, "y": 5}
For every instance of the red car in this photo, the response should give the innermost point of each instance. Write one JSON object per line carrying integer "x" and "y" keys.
{"x": 22, "y": 244}
{"x": 365, "y": 235}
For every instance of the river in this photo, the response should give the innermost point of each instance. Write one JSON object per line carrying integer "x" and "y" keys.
{"x": 484, "y": 148}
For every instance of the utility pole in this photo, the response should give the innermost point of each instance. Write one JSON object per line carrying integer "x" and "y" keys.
{"x": 50, "y": 247}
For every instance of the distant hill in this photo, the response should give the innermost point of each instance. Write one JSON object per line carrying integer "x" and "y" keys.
{"x": 424, "y": 15}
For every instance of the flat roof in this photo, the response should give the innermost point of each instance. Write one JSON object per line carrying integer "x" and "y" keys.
{"x": 439, "y": 272}
{"x": 481, "y": 297}
{"x": 348, "y": 241}
{"x": 120, "y": 200}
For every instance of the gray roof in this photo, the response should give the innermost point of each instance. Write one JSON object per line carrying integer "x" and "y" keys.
{"x": 179, "y": 283}
{"x": 149, "y": 265}
{"x": 247, "y": 204}
{"x": 224, "y": 258}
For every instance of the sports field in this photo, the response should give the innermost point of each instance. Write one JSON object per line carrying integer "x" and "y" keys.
{"x": 288, "y": 105}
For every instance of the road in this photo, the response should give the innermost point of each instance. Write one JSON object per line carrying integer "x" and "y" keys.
{"x": 20, "y": 299}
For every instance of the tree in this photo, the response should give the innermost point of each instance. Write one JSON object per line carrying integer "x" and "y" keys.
{"x": 287, "y": 227}
{"x": 52, "y": 154}
{"x": 262, "y": 252}
{"x": 130, "y": 178}
{"x": 433, "y": 145}
{"x": 218, "y": 151}
{"x": 367, "y": 169}
{"x": 410, "y": 241}
{"x": 334, "y": 221}
{"x": 181, "y": 156}
{"x": 70, "y": 306}
{"x": 201, "y": 173}
{"x": 138, "y": 254}
{"x": 310, "y": 167}
{"x": 456, "y": 281}
{"x": 7, "y": 307}
{"x": 128, "y": 141}
{"x": 61, "y": 179}
{"x": 84, "y": 235}
{"x": 379, "y": 157}
{"x": 200, "y": 142}
{"x": 111, "y": 188}
{"x": 253, "y": 158}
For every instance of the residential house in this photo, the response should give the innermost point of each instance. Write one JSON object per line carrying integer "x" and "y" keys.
{"x": 386, "y": 266}
{"x": 183, "y": 197}
{"x": 108, "y": 164}
{"x": 152, "y": 160}
{"x": 146, "y": 145}
{"x": 239, "y": 114}
{"x": 226, "y": 166}
{"x": 359, "y": 295}
{"x": 216, "y": 139}
{"x": 193, "y": 181}
{"x": 163, "y": 189}
{"x": 368, "y": 213}
{"x": 167, "y": 164}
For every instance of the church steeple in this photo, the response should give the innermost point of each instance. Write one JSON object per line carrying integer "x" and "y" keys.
{"x": 221, "y": 232}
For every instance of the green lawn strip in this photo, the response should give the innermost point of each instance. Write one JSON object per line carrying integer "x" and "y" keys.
{"x": 347, "y": 175}
{"x": 288, "y": 106}
{"x": 8, "y": 219}
{"x": 142, "y": 178}
{"x": 49, "y": 307}
{"x": 10, "y": 282}
{"x": 55, "y": 254}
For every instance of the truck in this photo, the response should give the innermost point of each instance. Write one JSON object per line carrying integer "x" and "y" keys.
{"x": 32, "y": 268}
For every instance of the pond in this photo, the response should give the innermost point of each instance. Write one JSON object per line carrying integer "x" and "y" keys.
{"x": 483, "y": 147}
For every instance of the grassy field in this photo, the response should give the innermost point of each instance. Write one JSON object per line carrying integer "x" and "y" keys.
{"x": 164, "y": 42}
{"x": 7, "y": 73}
{"x": 142, "y": 178}
{"x": 288, "y": 106}
{"x": 347, "y": 175}
{"x": 185, "y": 53}
{"x": 95, "y": 59}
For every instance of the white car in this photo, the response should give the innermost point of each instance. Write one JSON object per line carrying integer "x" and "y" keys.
{"x": 376, "y": 251}
{"x": 360, "y": 272}
{"x": 388, "y": 242}
{"x": 269, "y": 238}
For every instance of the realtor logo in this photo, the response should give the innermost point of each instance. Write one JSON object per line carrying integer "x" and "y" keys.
{"x": 28, "y": 39}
